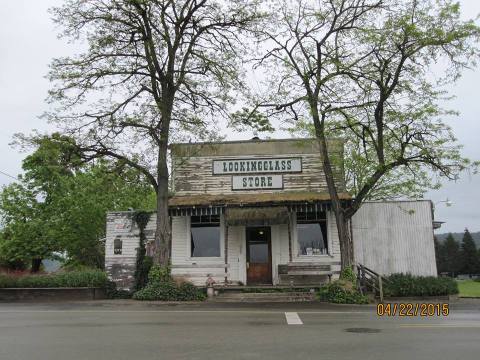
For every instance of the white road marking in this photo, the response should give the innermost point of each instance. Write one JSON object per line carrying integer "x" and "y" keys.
{"x": 293, "y": 318}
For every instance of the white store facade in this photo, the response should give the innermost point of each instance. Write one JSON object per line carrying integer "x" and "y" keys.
{"x": 258, "y": 212}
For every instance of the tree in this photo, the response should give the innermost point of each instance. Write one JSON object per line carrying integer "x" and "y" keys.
{"x": 80, "y": 208}
{"x": 478, "y": 256}
{"x": 398, "y": 183}
{"x": 439, "y": 256}
{"x": 468, "y": 255}
{"x": 25, "y": 235}
{"x": 153, "y": 70}
{"x": 59, "y": 204}
{"x": 452, "y": 255}
{"x": 358, "y": 70}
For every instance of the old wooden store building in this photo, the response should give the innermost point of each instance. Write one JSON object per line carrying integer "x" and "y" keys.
{"x": 258, "y": 212}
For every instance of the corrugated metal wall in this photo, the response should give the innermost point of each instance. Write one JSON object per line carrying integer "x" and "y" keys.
{"x": 396, "y": 236}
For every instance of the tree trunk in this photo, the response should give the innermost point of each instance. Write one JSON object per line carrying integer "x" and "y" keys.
{"x": 346, "y": 244}
{"x": 36, "y": 265}
{"x": 163, "y": 232}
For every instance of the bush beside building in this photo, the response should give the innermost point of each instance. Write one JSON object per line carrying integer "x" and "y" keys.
{"x": 401, "y": 285}
{"x": 161, "y": 286}
{"x": 74, "y": 279}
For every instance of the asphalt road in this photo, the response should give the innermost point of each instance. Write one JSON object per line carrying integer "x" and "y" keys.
{"x": 128, "y": 330}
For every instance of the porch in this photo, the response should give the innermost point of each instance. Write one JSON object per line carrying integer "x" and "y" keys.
{"x": 276, "y": 239}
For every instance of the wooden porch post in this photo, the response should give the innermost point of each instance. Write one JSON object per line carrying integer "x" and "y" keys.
{"x": 226, "y": 250}
{"x": 289, "y": 237}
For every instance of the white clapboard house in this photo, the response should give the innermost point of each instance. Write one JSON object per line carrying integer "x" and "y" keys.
{"x": 258, "y": 212}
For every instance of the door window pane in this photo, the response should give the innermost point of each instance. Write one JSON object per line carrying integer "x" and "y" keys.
{"x": 258, "y": 252}
{"x": 312, "y": 238}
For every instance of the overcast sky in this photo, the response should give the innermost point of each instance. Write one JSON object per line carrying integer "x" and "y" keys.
{"x": 28, "y": 41}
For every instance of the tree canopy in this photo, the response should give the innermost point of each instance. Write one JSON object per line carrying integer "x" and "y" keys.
{"x": 360, "y": 70}
{"x": 457, "y": 258}
{"x": 470, "y": 260}
{"x": 152, "y": 71}
{"x": 59, "y": 204}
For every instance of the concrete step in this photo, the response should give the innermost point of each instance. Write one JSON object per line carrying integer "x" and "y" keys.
{"x": 304, "y": 280}
{"x": 264, "y": 297}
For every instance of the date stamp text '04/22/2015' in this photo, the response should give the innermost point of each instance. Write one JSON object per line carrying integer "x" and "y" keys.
{"x": 413, "y": 309}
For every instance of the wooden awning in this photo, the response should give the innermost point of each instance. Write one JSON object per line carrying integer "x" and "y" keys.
{"x": 254, "y": 198}
{"x": 209, "y": 204}
{"x": 256, "y": 216}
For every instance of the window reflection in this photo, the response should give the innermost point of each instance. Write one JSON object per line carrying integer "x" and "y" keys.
{"x": 205, "y": 236}
{"x": 312, "y": 238}
{"x": 258, "y": 252}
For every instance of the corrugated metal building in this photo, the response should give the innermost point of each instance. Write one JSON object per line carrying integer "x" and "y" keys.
{"x": 395, "y": 236}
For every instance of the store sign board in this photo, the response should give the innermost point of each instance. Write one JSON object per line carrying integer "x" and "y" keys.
{"x": 255, "y": 182}
{"x": 257, "y": 166}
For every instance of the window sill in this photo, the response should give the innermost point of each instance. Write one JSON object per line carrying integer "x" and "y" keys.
{"x": 208, "y": 258}
{"x": 314, "y": 256}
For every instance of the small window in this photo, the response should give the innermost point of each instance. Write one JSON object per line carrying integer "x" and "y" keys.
{"x": 312, "y": 234}
{"x": 117, "y": 246}
{"x": 205, "y": 236}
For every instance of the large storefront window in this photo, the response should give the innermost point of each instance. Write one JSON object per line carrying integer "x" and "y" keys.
{"x": 205, "y": 236}
{"x": 312, "y": 234}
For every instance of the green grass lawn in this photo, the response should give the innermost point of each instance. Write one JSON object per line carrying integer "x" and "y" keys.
{"x": 469, "y": 288}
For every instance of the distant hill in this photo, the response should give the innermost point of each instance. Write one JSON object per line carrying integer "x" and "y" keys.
{"x": 459, "y": 236}
{"x": 51, "y": 265}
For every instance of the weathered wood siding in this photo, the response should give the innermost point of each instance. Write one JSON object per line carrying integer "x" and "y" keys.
{"x": 195, "y": 269}
{"x": 192, "y": 165}
{"x": 198, "y": 269}
{"x": 121, "y": 267}
{"x": 395, "y": 237}
{"x": 280, "y": 255}
{"x": 388, "y": 237}
{"x": 237, "y": 254}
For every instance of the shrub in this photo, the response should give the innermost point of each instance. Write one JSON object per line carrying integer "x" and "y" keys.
{"x": 7, "y": 281}
{"x": 161, "y": 286}
{"x": 159, "y": 274}
{"x": 165, "y": 291}
{"x": 112, "y": 292}
{"x": 144, "y": 264}
{"x": 87, "y": 278}
{"x": 71, "y": 265}
{"x": 341, "y": 292}
{"x": 187, "y": 291}
{"x": 410, "y": 285}
{"x": 349, "y": 275}
{"x": 170, "y": 291}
